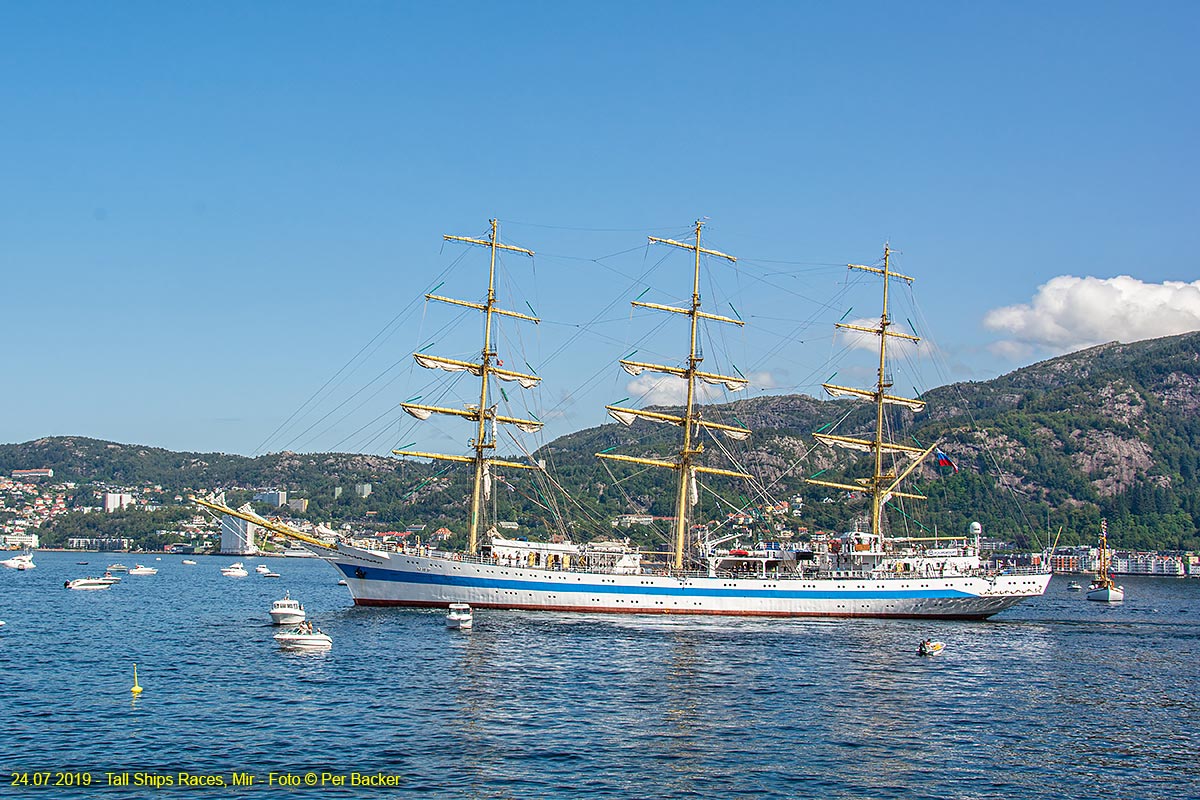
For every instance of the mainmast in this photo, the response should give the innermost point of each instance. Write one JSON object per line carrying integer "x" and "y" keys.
{"x": 881, "y": 485}
{"x": 690, "y": 420}
{"x": 486, "y": 368}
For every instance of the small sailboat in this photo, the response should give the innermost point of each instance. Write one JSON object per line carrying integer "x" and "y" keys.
{"x": 1104, "y": 589}
{"x": 459, "y": 616}
{"x": 929, "y": 647}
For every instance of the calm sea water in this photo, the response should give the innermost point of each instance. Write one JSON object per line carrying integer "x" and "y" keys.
{"x": 1056, "y": 698}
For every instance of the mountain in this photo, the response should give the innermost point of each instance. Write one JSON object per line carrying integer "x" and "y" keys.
{"x": 1112, "y": 431}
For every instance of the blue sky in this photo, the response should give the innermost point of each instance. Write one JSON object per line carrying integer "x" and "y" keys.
{"x": 209, "y": 209}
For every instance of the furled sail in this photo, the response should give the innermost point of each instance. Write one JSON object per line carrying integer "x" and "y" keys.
{"x": 732, "y": 384}
{"x": 415, "y": 411}
{"x": 453, "y": 365}
{"x": 449, "y": 365}
{"x": 845, "y": 391}
{"x": 626, "y": 416}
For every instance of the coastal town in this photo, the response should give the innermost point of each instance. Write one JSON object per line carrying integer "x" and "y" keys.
{"x": 31, "y": 499}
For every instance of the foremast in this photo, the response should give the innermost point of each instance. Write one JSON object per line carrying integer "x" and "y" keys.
{"x": 690, "y": 421}
{"x": 487, "y": 367}
{"x": 882, "y": 485}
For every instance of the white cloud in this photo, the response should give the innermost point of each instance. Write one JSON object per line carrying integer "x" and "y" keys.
{"x": 653, "y": 389}
{"x": 1069, "y": 313}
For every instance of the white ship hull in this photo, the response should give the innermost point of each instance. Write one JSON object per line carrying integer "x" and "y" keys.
{"x": 398, "y": 579}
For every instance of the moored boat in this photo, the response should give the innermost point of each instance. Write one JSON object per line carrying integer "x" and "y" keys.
{"x": 235, "y": 570}
{"x": 139, "y": 569}
{"x": 22, "y": 561}
{"x": 189, "y": 562}
{"x": 1074, "y": 586}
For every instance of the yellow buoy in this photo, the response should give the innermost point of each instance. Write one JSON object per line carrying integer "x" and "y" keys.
{"x": 136, "y": 689}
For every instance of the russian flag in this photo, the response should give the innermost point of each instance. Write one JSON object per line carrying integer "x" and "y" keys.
{"x": 944, "y": 460}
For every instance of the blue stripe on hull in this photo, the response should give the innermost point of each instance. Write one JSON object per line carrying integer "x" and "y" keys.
{"x": 691, "y": 591}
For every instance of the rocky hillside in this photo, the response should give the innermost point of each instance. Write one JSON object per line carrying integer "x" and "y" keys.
{"x": 1111, "y": 431}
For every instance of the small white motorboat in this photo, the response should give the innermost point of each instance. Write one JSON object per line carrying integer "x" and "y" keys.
{"x": 138, "y": 569}
{"x": 459, "y": 616}
{"x": 1073, "y": 586}
{"x": 189, "y": 562}
{"x": 930, "y": 648}
{"x": 21, "y": 561}
{"x": 234, "y": 570}
{"x": 117, "y": 568}
{"x": 108, "y": 576}
{"x": 287, "y": 611}
{"x": 262, "y": 569}
{"x": 270, "y": 574}
{"x": 89, "y": 583}
{"x": 304, "y": 637}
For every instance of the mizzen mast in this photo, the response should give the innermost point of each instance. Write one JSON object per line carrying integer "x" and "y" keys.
{"x": 881, "y": 485}
{"x": 487, "y": 367}
{"x": 690, "y": 420}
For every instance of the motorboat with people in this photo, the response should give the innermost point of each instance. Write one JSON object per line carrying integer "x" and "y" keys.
{"x": 1104, "y": 589}
{"x": 1074, "y": 586}
{"x": 287, "y": 611}
{"x": 304, "y": 637}
{"x": 235, "y": 570}
{"x": 929, "y": 647}
{"x": 21, "y": 561}
{"x": 459, "y": 616}
{"x": 88, "y": 584}
{"x": 139, "y": 569}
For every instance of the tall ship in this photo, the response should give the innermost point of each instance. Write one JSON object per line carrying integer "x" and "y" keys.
{"x": 859, "y": 573}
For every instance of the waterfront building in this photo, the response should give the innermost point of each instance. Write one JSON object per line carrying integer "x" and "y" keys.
{"x": 237, "y": 536}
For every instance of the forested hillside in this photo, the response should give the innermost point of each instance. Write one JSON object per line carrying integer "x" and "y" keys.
{"x": 1113, "y": 431}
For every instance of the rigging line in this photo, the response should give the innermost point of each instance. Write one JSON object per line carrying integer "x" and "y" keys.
{"x": 333, "y": 377}
{"x": 350, "y": 412}
{"x": 656, "y": 532}
{"x": 359, "y": 391}
{"x": 545, "y": 475}
{"x": 588, "y": 230}
{"x": 567, "y": 344}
